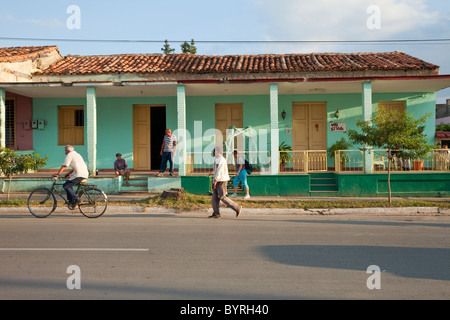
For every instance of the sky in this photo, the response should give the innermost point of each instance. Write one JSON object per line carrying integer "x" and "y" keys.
{"x": 280, "y": 26}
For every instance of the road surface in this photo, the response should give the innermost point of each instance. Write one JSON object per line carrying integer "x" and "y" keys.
{"x": 187, "y": 256}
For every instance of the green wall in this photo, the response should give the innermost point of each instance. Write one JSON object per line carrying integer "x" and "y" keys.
{"x": 423, "y": 184}
{"x": 115, "y": 119}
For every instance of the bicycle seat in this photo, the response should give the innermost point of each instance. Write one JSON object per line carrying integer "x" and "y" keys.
{"x": 84, "y": 181}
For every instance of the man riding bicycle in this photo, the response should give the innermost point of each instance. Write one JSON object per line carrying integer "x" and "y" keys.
{"x": 78, "y": 173}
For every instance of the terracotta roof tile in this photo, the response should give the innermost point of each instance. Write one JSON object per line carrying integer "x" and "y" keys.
{"x": 199, "y": 64}
{"x": 11, "y": 54}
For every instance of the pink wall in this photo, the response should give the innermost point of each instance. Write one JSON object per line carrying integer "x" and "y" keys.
{"x": 24, "y": 112}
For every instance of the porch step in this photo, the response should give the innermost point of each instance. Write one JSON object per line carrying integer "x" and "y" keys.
{"x": 136, "y": 184}
{"x": 323, "y": 182}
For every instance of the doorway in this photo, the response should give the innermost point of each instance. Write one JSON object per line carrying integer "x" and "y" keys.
{"x": 309, "y": 121}
{"x": 227, "y": 115}
{"x": 149, "y": 124}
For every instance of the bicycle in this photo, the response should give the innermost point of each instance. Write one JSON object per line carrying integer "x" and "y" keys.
{"x": 92, "y": 201}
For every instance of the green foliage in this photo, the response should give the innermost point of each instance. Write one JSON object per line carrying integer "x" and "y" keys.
{"x": 284, "y": 155}
{"x": 12, "y": 163}
{"x": 394, "y": 131}
{"x": 189, "y": 48}
{"x": 166, "y": 48}
{"x": 339, "y": 145}
{"x": 443, "y": 127}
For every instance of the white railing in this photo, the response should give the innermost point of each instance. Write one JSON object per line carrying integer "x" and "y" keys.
{"x": 202, "y": 163}
{"x": 353, "y": 161}
{"x": 303, "y": 161}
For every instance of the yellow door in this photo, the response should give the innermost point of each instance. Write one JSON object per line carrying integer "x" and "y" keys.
{"x": 227, "y": 115}
{"x": 141, "y": 138}
{"x": 309, "y": 133}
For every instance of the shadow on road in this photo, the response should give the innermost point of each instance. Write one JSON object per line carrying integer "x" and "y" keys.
{"x": 424, "y": 263}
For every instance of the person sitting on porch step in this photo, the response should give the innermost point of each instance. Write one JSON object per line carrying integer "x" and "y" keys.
{"x": 78, "y": 173}
{"x": 121, "y": 168}
{"x": 168, "y": 151}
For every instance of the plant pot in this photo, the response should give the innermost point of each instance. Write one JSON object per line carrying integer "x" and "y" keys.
{"x": 282, "y": 166}
{"x": 418, "y": 165}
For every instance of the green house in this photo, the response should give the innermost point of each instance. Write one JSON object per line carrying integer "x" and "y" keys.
{"x": 122, "y": 103}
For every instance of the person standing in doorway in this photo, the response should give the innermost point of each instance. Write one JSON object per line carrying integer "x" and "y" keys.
{"x": 168, "y": 151}
{"x": 78, "y": 173}
{"x": 219, "y": 186}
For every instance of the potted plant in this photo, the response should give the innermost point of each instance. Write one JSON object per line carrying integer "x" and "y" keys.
{"x": 339, "y": 145}
{"x": 285, "y": 157}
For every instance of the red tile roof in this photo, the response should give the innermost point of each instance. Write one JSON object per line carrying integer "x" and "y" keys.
{"x": 268, "y": 63}
{"x": 12, "y": 54}
{"x": 442, "y": 134}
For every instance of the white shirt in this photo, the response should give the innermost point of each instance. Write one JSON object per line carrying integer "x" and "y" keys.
{"x": 76, "y": 162}
{"x": 221, "y": 169}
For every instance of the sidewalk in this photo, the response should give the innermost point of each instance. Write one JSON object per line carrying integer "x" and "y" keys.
{"x": 127, "y": 209}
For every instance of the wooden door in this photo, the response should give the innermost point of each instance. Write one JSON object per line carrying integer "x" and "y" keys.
{"x": 309, "y": 133}
{"x": 141, "y": 138}
{"x": 309, "y": 126}
{"x": 227, "y": 115}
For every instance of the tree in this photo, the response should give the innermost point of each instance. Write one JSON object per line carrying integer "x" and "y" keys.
{"x": 189, "y": 48}
{"x": 393, "y": 131}
{"x": 11, "y": 163}
{"x": 167, "y": 49}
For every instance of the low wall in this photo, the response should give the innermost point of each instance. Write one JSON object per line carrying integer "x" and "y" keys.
{"x": 424, "y": 184}
{"x": 433, "y": 184}
{"x": 109, "y": 185}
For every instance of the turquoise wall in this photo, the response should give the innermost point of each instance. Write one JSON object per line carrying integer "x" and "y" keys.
{"x": 115, "y": 119}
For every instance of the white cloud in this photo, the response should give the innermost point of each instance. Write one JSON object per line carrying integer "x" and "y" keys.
{"x": 346, "y": 19}
{"x": 45, "y": 23}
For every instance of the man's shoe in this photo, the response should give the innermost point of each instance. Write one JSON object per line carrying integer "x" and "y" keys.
{"x": 72, "y": 205}
{"x": 214, "y": 216}
{"x": 159, "y": 174}
{"x": 234, "y": 195}
{"x": 247, "y": 196}
{"x": 171, "y": 174}
{"x": 238, "y": 212}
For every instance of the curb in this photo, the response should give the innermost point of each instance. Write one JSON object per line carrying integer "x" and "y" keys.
{"x": 122, "y": 210}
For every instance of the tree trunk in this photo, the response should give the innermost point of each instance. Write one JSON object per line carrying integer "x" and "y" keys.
{"x": 9, "y": 188}
{"x": 389, "y": 176}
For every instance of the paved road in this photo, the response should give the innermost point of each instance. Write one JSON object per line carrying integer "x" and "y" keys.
{"x": 187, "y": 256}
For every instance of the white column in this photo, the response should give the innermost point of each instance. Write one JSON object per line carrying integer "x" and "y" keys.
{"x": 367, "y": 115}
{"x": 91, "y": 130}
{"x": 181, "y": 124}
{"x": 2, "y": 118}
{"x": 274, "y": 133}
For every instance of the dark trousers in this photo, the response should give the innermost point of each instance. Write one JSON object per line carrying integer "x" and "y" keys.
{"x": 166, "y": 156}
{"x": 68, "y": 186}
{"x": 219, "y": 193}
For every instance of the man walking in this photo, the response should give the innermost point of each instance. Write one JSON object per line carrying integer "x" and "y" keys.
{"x": 78, "y": 173}
{"x": 168, "y": 150}
{"x": 219, "y": 186}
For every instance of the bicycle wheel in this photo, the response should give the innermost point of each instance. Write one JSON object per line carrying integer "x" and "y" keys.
{"x": 41, "y": 202}
{"x": 93, "y": 203}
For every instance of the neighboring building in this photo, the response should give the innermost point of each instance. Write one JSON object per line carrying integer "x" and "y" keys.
{"x": 17, "y": 65}
{"x": 121, "y": 103}
{"x": 443, "y": 113}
